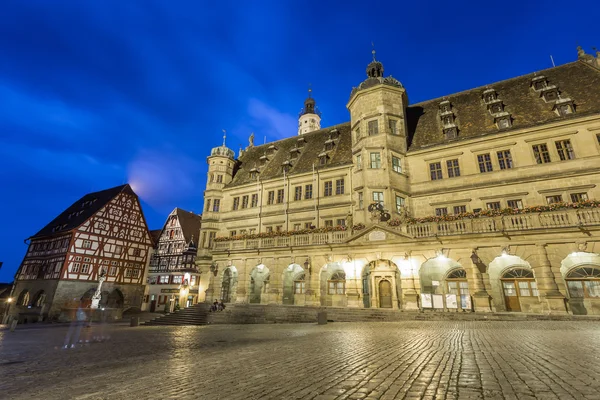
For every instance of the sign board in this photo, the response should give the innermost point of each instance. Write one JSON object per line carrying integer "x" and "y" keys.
{"x": 426, "y": 300}
{"x": 376, "y": 235}
{"x": 193, "y": 291}
{"x": 438, "y": 301}
{"x": 451, "y": 301}
{"x": 435, "y": 283}
{"x": 169, "y": 290}
{"x": 465, "y": 301}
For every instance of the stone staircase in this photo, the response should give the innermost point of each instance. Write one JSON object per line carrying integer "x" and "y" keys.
{"x": 194, "y": 315}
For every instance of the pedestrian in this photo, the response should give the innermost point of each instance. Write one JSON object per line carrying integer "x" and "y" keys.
{"x": 78, "y": 321}
{"x": 221, "y": 306}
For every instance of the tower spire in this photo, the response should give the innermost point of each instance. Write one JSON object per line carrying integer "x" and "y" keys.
{"x": 224, "y": 137}
{"x": 373, "y": 51}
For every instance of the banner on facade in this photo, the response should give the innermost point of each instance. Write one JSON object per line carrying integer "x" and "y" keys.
{"x": 193, "y": 291}
{"x": 169, "y": 290}
{"x": 451, "y": 301}
{"x": 438, "y": 301}
{"x": 426, "y": 300}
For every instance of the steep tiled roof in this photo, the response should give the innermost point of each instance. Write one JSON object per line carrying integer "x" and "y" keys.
{"x": 190, "y": 225}
{"x": 307, "y": 156}
{"x": 575, "y": 80}
{"x": 155, "y": 235}
{"x": 81, "y": 210}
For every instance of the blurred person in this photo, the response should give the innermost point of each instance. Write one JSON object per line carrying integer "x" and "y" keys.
{"x": 78, "y": 319}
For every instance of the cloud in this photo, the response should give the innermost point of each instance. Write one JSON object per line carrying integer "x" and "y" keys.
{"x": 164, "y": 177}
{"x": 270, "y": 121}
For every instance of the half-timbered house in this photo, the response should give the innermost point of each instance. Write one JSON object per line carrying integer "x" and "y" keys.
{"x": 103, "y": 232}
{"x": 173, "y": 275}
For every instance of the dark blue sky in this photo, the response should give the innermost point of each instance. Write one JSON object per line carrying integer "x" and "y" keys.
{"x": 97, "y": 93}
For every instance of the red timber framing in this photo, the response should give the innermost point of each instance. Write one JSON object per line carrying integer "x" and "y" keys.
{"x": 115, "y": 239}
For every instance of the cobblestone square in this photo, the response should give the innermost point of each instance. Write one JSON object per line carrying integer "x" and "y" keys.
{"x": 405, "y": 360}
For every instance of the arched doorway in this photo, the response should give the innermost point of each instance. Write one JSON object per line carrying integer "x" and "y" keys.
{"x": 259, "y": 283}
{"x": 583, "y": 284}
{"x": 518, "y": 284}
{"x": 293, "y": 285}
{"x": 115, "y": 299}
{"x": 23, "y": 298}
{"x": 229, "y": 285}
{"x": 39, "y": 299}
{"x": 333, "y": 285}
{"x": 385, "y": 294}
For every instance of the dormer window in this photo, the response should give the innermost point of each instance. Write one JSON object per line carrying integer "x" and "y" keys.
{"x": 334, "y": 133}
{"x": 329, "y": 144}
{"x": 448, "y": 119}
{"x": 445, "y": 107}
{"x": 323, "y": 158}
{"x": 263, "y": 160}
{"x": 272, "y": 149}
{"x": 286, "y": 166}
{"x": 539, "y": 83}
{"x": 489, "y": 95}
{"x": 503, "y": 120}
{"x": 550, "y": 93}
{"x": 564, "y": 106}
{"x": 254, "y": 173}
{"x": 300, "y": 143}
{"x": 451, "y": 133}
{"x": 294, "y": 153}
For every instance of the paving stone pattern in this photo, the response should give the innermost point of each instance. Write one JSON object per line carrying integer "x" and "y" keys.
{"x": 396, "y": 360}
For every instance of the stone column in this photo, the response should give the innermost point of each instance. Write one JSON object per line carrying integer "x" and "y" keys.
{"x": 275, "y": 291}
{"x": 549, "y": 293}
{"x": 241, "y": 292}
{"x": 410, "y": 297}
{"x": 312, "y": 279}
{"x": 475, "y": 269}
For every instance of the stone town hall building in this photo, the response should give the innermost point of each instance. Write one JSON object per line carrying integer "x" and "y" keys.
{"x": 482, "y": 200}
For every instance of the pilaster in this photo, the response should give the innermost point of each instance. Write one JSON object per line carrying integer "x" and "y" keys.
{"x": 549, "y": 293}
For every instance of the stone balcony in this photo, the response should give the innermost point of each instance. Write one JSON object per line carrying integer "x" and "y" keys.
{"x": 568, "y": 218}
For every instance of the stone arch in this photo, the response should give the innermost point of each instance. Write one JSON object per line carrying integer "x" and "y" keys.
{"x": 580, "y": 273}
{"x": 433, "y": 273}
{"x": 229, "y": 281}
{"x": 115, "y": 299}
{"x": 496, "y": 269}
{"x": 86, "y": 298}
{"x": 39, "y": 299}
{"x": 23, "y": 299}
{"x": 290, "y": 275}
{"x": 327, "y": 272}
{"x": 259, "y": 282}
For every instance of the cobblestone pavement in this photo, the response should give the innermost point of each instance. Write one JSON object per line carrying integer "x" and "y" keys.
{"x": 404, "y": 360}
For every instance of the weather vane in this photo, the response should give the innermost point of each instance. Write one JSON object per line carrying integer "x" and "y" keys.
{"x": 373, "y": 44}
{"x": 309, "y": 90}
{"x": 224, "y": 136}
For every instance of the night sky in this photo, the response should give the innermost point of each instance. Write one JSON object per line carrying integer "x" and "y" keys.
{"x": 94, "y": 94}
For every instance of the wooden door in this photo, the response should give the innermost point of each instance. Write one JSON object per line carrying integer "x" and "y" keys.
{"x": 385, "y": 294}
{"x": 153, "y": 306}
{"x": 511, "y": 296}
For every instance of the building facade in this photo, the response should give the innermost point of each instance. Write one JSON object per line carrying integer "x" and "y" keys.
{"x": 483, "y": 200}
{"x": 173, "y": 277}
{"x": 103, "y": 232}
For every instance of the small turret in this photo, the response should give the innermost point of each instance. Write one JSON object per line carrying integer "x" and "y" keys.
{"x": 309, "y": 119}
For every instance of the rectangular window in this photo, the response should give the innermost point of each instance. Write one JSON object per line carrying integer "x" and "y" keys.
{"x": 137, "y": 252}
{"x": 553, "y": 199}
{"x": 219, "y": 178}
{"x": 75, "y": 267}
{"x": 453, "y": 168}
{"x": 178, "y": 279}
{"x": 340, "y": 222}
{"x": 245, "y": 201}
{"x": 373, "y": 127}
{"x": 328, "y": 188}
{"x": 517, "y": 204}
{"x": 236, "y": 203}
{"x": 298, "y": 193}
{"x": 359, "y": 162}
{"x": 308, "y": 192}
{"x": 441, "y": 211}
{"x": 541, "y": 154}
{"x": 269, "y": 229}
{"x": 252, "y": 231}
{"x": 280, "y": 196}
{"x": 505, "y": 159}
{"x": 396, "y": 166}
{"x": 112, "y": 271}
{"x": 208, "y": 205}
{"x": 308, "y": 225}
{"x": 565, "y": 150}
{"x": 578, "y": 197}
{"x": 328, "y": 223}
{"x": 361, "y": 201}
{"x": 233, "y": 233}
{"x": 216, "y": 205}
{"x": 299, "y": 287}
{"x": 278, "y": 228}
{"x": 378, "y": 197}
{"x": 254, "y": 200}
{"x": 211, "y": 238}
{"x": 271, "y": 197}
{"x": 87, "y": 244}
{"x": 393, "y": 127}
{"x": 164, "y": 279}
{"x": 297, "y": 227}
{"x": 399, "y": 203}
{"x": 485, "y": 163}
{"x": 118, "y": 250}
{"x": 494, "y": 205}
{"x": 435, "y": 171}
{"x": 459, "y": 209}
{"x": 339, "y": 186}
{"x": 375, "y": 160}
{"x": 85, "y": 268}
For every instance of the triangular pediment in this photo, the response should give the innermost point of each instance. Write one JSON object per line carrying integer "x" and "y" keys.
{"x": 377, "y": 233}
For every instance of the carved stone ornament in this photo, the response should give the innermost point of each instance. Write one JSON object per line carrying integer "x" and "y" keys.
{"x": 377, "y": 235}
{"x": 582, "y": 246}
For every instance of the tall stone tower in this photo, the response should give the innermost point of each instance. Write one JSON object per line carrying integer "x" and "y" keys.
{"x": 310, "y": 117}
{"x": 378, "y": 121}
